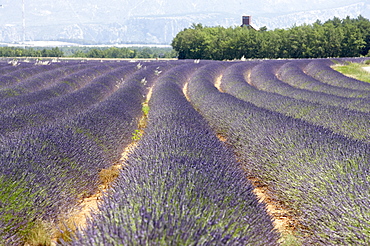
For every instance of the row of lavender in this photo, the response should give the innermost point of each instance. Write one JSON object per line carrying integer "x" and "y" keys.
{"x": 278, "y": 86}
{"x": 323, "y": 177}
{"x": 181, "y": 186}
{"x": 277, "y": 76}
{"x": 55, "y": 101}
{"x": 60, "y": 134}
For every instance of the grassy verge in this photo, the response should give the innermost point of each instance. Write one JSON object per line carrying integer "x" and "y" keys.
{"x": 355, "y": 70}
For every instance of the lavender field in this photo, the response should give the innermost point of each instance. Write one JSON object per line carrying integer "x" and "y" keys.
{"x": 203, "y": 136}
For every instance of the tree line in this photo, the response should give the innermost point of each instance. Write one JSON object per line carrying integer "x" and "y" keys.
{"x": 30, "y": 52}
{"x": 348, "y": 37}
{"x": 115, "y": 52}
{"x": 89, "y": 52}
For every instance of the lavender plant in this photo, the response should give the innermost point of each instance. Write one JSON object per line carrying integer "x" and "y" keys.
{"x": 20, "y": 74}
{"x": 31, "y": 114}
{"x": 38, "y": 82}
{"x": 181, "y": 186}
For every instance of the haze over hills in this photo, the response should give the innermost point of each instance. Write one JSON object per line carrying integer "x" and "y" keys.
{"x": 156, "y": 21}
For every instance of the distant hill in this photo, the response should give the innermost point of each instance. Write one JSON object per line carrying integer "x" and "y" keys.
{"x": 156, "y": 21}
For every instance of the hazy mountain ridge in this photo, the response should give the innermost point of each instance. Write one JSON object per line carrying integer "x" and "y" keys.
{"x": 158, "y": 21}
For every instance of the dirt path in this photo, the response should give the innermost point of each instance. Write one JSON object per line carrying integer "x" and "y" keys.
{"x": 78, "y": 219}
{"x": 218, "y": 82}
{"x": 185, "y": 91}
{"x": 248, "y": 77}
{"x": 283, "y": 220}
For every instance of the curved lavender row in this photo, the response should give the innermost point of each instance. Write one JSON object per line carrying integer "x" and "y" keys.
{"x": 61, "y": 86}
{"x": 321, "y": 70}
{"x": 346, "y": 122}
{"x": 181, "y": 185}
{"x": 59, "y": 163}
{"x": 293, "y": 75}
{"x": 97, "y": 83}
{"x": 26, "y": 76}
{"x": 322, "y": 176}
{"x": 23, "y": 95}
{"x": 264, "y": 77}
{"x": 12, "y": 78}
{"x": 40, "y": 81}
